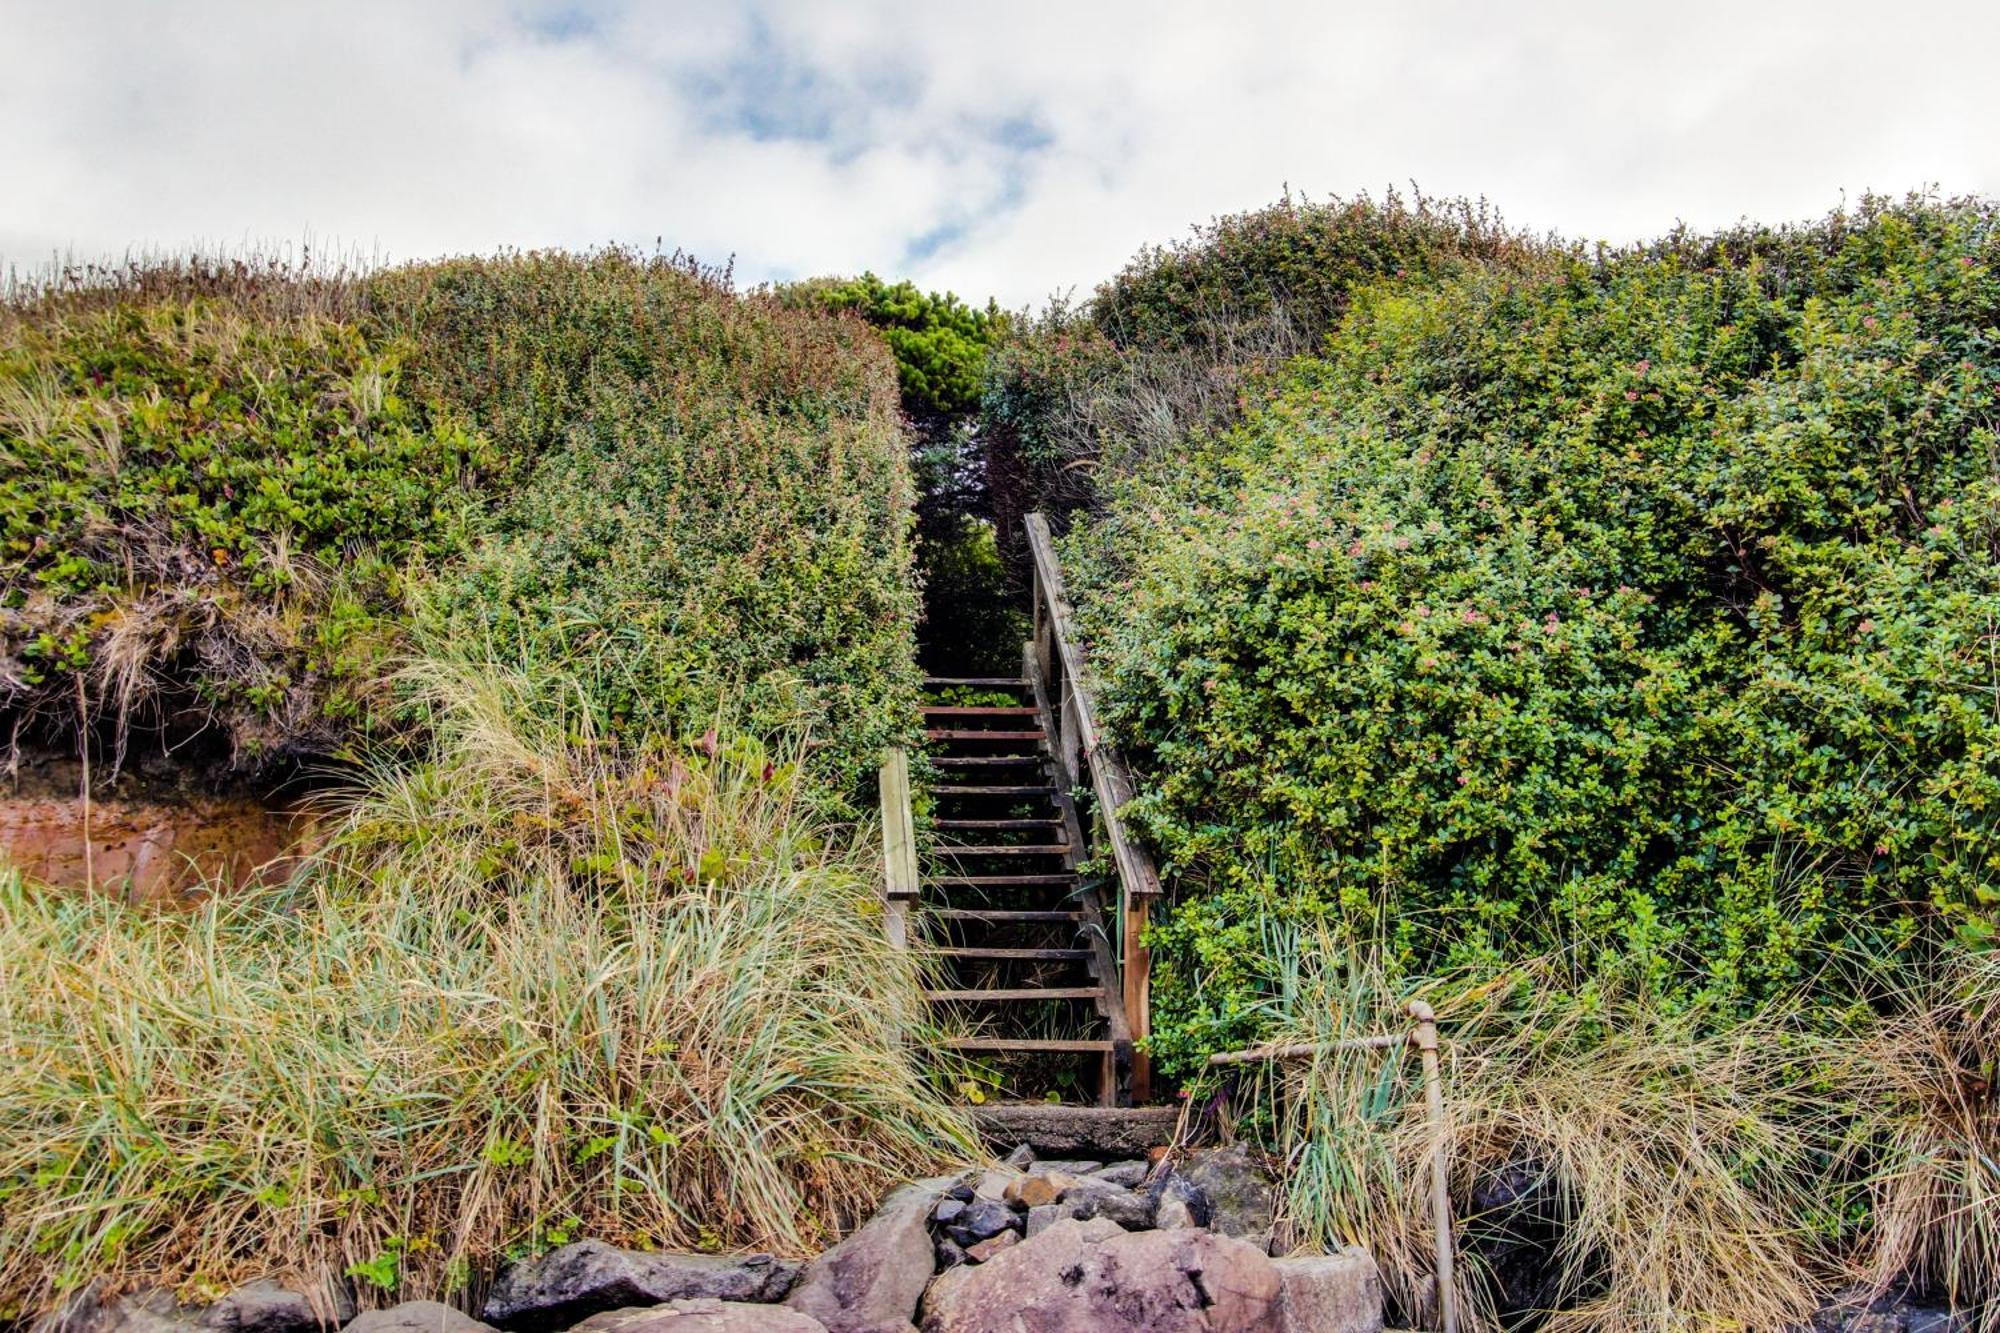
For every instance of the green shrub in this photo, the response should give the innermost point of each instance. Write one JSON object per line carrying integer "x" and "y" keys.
{"x": 1640, "y": 609}
{"x": 217, "y": 481}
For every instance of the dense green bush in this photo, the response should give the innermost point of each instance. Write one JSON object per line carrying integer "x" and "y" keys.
{"x": 216, "y": 481}
{"x": 1641, "y": 609}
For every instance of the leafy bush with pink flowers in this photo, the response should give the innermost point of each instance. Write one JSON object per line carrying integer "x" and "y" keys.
{"x": 1641, "y": 607}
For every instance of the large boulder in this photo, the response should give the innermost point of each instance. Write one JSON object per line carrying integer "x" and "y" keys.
{"x": 1242, "y": 1200}
{"x": 701, "y": 1316}
{"x": 871, "y": 1282}
{"x": 589, "y": 1277}
{"x": 1096, "y": 1277}
{"x": 1331, "y": 1293}
{"x": 417, "y": 1317}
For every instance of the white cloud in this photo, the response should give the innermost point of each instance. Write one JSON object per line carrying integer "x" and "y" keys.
{"x": 1007, "y": 149}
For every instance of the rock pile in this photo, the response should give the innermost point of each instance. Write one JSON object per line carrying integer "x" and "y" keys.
{"x": 1052, "y": 1245}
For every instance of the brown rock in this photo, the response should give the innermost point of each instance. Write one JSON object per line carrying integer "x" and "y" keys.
{"x": 417, "y": 1317}
{"x": 1095, "y": 1277}
{"x": 701, "y": 1316}
{"x": 992, "y": 1245}
{"x": 1035, "y": 1190}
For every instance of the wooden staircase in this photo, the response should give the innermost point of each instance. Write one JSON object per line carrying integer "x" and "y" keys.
{"x": 1025, "y": 951}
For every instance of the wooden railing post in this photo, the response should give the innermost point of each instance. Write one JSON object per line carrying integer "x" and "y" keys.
{"x": 899, "y": 847}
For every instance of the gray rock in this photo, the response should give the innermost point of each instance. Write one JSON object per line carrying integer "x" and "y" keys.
{"x": 417, "y": 1317}
{"x": 1065, "y": 1168}
{"x": 580, "y": 1280}
{"x": 1128, "y": 1174}
{"x": 871, "y": 1282}
{"x": 265, "y": 1306}
{"x": 988, "y": 1217}
{"x": 1242, "y": 1201}
{"x": 947, "y": 1211}
{"x": 1089, "y": 1197}
{"x": 1331, "y": 1293}
{"x": 1178, "y": 1202}
{"x": 1039, "y": 1219}
{"x": 1021, "y": 1157}
{"x": 1860, "y": 1310}
{"x": 950, "y": 1254}
{"x": 993, "y": 1184}
{"x": 701, "y": 1316}
{"x": 95, "y": 1309}
{"x": 1094, "y": 1277}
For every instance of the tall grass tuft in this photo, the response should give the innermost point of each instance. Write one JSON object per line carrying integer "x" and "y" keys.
{"x": 1685, "y": 1174}
{"x": 542, "y": 986}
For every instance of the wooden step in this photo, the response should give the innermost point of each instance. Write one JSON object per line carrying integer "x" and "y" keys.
{"x": 975, "y": 682}
{"x": 1053, "y": 821}
{"x": 997, "y": 916}
{"x": 1023, "y": 955}
{"x": 978, "y": 710}
{"x": 986, "y": 760}
{"x": 993, "y": 881}
{"x": 1003, "y": 849}
{"x": 1050, "y": 1044}
{"x": 1019, "y": 791}
{"x": 1014, "y": 995}
{"x": 974, "y": 734}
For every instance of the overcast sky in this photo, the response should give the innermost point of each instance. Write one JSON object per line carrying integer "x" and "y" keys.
{"x": 993, "y": 148}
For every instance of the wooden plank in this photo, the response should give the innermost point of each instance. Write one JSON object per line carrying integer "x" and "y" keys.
{"x": 1020, "y": 791}
{"x": 1014, "y": 995}
{"x": 1040, "y": 1044}
{"x": 974, "y": 682}
{"x": 901, "y": 884}
{"x": 987, "y": 760}
{"x": 1049, "y": 822}
{"x": 979, "y": 710}
{"x": 1004, "y": 849}
{"x": 1006, "y": 915}
{"x": 997, "y": 881}
{"x": 1021, "y": 955}
{"x": 975, "y": 734}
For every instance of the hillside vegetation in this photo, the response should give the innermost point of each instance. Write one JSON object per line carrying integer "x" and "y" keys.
{"x": 596, "y": 577}
{"x": 219, "y": 481}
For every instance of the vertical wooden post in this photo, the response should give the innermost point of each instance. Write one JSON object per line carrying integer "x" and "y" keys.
{"x": 1427, "y": 1048}
{"x": 1136, "y": 969}
{"x": 899, "y": 848}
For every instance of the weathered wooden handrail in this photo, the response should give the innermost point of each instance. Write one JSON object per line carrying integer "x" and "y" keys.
{"x": 1423, "y": 1035}
{"x": 900, "y": 885}
{"x": 1083, "y": 756}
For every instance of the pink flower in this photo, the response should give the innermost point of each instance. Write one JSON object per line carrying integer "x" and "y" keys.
{"x": 1313, "y": 545}
{"x": 1866, "y": 627}
{"x": 1868, "y": 322}
{"x": 1463, "y": 780}
{"x": 1631, "y": 395}
{"x": 1402, "y": 543}
{"x": 1643, "y": 367}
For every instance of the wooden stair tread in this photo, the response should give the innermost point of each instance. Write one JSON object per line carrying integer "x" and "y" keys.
{"x": 1005, "y": 790}
{"x": 995, "y": 881}
{"x": 1049, "y": 1044}
{"x": 978, "y": 734}
{"x": 1002, "y": 849}
{"x": 997, "y": 915}
{"x": 986, "y": 760}
{"x": 1022, "y": 955}
{"x": 1051, "y": 822}
{"x": 982, "y": 682}
{"x": 979, "y": 710}
{"x": 1013, "y": 994}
